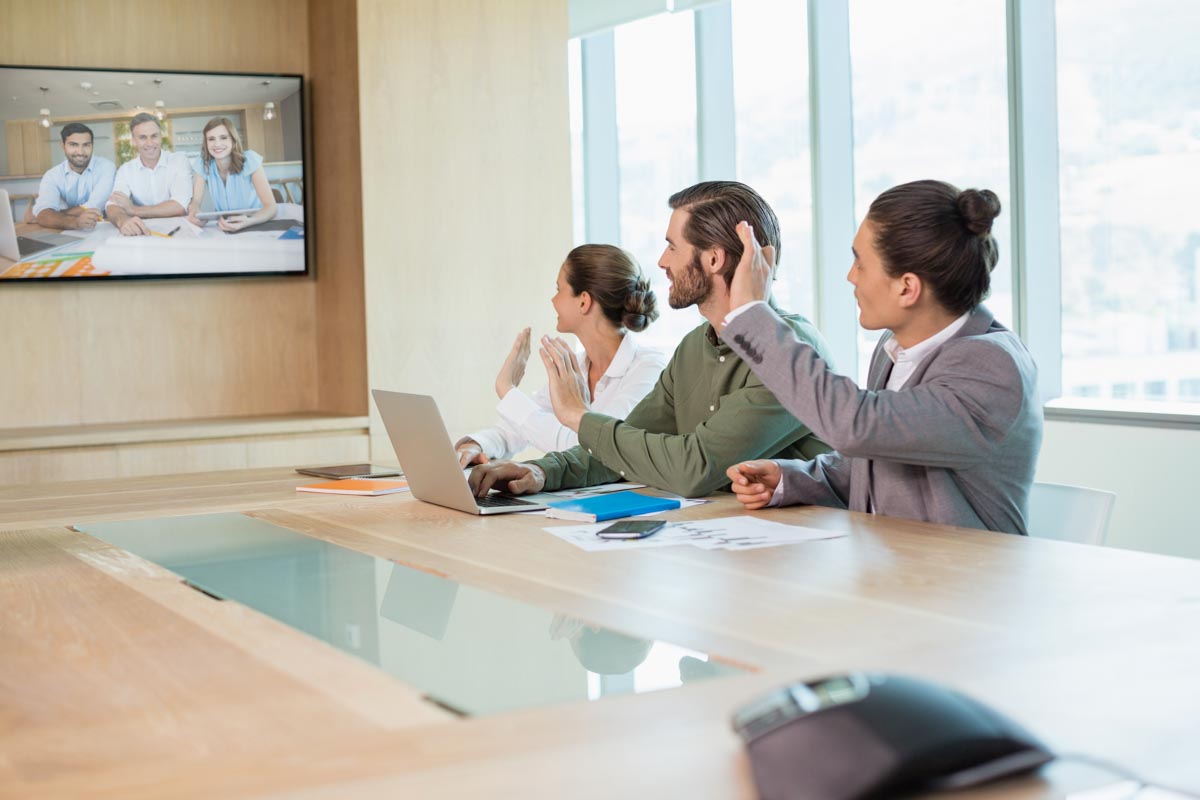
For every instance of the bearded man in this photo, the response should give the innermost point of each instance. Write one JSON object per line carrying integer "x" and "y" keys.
{"x": 708, "y": 410}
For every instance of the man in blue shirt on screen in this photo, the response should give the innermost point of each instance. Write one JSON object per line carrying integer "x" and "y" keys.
{"x": 72, "y": 193}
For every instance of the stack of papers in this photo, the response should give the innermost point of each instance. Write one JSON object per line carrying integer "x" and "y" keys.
{"x": 726, "y": 533}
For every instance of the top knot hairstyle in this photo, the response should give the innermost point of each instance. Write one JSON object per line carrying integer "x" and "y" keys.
{"x": 941, "y": 235}
{"x": 615, "y": 281}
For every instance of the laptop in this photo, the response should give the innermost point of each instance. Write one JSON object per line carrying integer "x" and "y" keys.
{"x": 16, "y": 248}
{"x": 427, "y": 457}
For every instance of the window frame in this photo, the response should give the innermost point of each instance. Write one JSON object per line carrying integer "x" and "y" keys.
{"x": 1033, "y": 181}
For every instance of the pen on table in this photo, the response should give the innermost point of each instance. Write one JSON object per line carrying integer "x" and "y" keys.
{"x": 175, "y": 231}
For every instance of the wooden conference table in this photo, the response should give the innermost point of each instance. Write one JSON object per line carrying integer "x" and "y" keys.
{"x": 116, "y": 680}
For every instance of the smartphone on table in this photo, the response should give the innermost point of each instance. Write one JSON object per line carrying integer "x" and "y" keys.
{"x": 631, "y": 529}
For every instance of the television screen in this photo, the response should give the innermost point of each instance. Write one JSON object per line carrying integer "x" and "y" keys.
{"x": 108, "y": 174}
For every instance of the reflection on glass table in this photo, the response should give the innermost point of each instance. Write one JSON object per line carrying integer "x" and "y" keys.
{"x": 470, "y": 650}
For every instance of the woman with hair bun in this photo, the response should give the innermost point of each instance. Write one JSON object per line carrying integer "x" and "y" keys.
{"x": 949, "y": 425}
{"x": 600, "y": 297}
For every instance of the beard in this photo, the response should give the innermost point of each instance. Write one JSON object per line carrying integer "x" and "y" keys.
{"x": 692, "y": 287}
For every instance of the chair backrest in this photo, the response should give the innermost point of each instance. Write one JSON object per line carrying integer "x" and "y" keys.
{"x": 17, "y": 200}
{"x": 1069, "y": 513}
{"x": 294, "y": 189}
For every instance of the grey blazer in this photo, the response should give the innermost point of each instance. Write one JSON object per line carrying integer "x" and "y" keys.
{"x": 957, "y": 444}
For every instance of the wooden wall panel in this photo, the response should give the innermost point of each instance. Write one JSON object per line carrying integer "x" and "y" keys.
{"x": 252, "y": 357}
{"x": 36, "y": 147}
{"x": 116, "y": 352}
{"x": 466, "y": 190}
{"x": 132, "y": 352}
{"x": 28, "y": 147}
{"x": 16, "y": 148}
{"x": 21, "y": 467}
{"x": 255, "y": 137}
{"x": 272, "y": 135}
{"x": 41, "y": 359}
{"x": 335, "y": 198}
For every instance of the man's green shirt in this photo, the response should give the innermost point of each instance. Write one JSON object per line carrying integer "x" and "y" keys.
{"x": 707, "y": 412}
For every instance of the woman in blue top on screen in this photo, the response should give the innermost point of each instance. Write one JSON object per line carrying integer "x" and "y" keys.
{"x": 234, "y": 177}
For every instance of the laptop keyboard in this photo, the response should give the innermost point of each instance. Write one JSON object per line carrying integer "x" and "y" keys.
{"x": 501, "y": 500}
{"x": 27, "y": 246}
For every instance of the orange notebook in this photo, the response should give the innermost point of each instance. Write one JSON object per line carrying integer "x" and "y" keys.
{"x": 356, "y": 486}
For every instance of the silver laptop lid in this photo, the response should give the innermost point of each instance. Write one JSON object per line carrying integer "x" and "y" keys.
{"x": 426, "y": 455}
{"x": 8, "y": 230}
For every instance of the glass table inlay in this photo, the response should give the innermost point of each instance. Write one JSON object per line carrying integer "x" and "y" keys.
{"x": 471, "y": 650}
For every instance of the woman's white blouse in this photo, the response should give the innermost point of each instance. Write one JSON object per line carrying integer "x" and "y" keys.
{"x": 529, "y": 421}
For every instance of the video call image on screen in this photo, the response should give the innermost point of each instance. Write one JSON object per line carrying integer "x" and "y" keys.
{"x": 140, "y": 174}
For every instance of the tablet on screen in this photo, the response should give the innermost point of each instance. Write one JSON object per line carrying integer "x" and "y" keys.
{"x": 215, "y": 214}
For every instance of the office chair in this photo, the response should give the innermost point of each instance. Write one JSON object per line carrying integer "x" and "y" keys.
{"x": 28, "y": 200}
{"x": 1069, "y": 513}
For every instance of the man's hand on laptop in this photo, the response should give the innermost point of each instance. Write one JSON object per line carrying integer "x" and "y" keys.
{"x": 506, "y": 476}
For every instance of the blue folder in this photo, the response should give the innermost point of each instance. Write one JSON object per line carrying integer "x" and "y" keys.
{"x": 609, "y": 506}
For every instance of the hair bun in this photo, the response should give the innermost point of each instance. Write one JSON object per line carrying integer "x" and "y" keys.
{"x": 641, "y": 308}
{"x": 978, "y": 208}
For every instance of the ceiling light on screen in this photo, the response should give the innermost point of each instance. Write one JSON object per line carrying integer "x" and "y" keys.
{"x": 45, "y": 112}
{"x": 269, "y": 106}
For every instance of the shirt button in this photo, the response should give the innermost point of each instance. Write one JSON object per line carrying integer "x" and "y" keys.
{"x": 622, "y": 473}
{"x": 589, "y": 451}
{"x": 712, "y": 408}
{"x": 721, "y": 359}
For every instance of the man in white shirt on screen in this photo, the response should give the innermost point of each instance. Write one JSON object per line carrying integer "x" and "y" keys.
{"x": 72, "y": 194}
{"x": 157, "y": 183}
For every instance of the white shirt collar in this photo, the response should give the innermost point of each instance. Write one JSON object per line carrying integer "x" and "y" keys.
{"x": 66, "y": 165}
{"x": 915, "y": 354}
{"x": 622, "y": 359}
{"x": 164, "y": 160}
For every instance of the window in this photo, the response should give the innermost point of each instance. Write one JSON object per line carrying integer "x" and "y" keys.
{"x": 929, "y": 97}
{"x": 1129, "y": 151}
{"x": 575, "y": 89}
{"x": 1123, "y": 391}
{"x": 930, "y": 101}
{"x": 1156, "y": 390}
{"x": 656, "y": 129}
{"x": 770, "y": 70}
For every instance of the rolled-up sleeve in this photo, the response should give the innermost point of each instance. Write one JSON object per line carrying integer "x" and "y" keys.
{"x": 49, "y": 196}
{"x": 121, "y": 183}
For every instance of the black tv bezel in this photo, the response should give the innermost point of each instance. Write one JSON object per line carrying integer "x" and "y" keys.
{"x": 306, "y": 153}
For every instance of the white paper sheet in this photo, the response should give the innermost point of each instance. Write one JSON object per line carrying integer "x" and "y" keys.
{"x": 726, "y": 533}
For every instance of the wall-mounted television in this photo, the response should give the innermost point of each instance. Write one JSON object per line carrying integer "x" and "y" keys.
{"x": 115, "y": 174}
